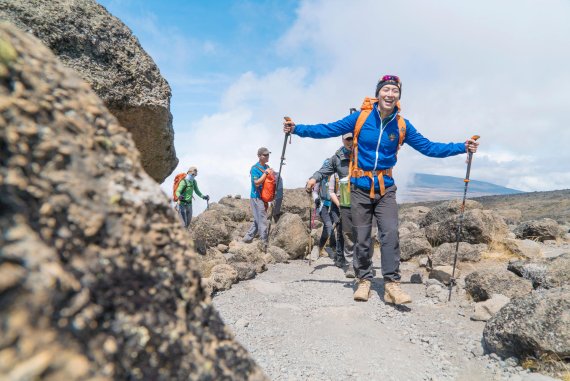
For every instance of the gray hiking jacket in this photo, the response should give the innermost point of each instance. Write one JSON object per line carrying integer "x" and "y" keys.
{"x": 338, "y": 164}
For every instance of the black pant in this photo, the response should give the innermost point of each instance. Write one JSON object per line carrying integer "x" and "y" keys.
{"x": 385, "y": 210}
{"x": 327, "y": 228}
{"x": 335, "y": 217}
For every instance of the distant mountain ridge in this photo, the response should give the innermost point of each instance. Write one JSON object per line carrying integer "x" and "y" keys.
{"x": 426, "y": 187}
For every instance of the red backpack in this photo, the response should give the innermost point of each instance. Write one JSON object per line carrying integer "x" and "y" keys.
{"x": 268, "y": 187}
{"x": 179, "y": 177}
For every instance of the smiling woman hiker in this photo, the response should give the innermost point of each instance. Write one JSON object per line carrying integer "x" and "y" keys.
{"x": 378, "y": 131}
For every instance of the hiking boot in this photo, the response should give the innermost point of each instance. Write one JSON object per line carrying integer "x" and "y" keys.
{"x": 394, "y": 294}
{"x": 340, "y": 262}
{"x": 349, "y": 273}
{"x": 362, "y": 293}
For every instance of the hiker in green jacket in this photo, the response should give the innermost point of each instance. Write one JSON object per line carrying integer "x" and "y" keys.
{"x": 185, "y": 194}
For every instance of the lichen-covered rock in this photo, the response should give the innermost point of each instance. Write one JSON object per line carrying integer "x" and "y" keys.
{"x": 210, "y": 229}
{"x": 445, "y": 253}
{"x": 222, "y": 277}
{"x": 484, "y": 283}
{"x": 541, "y": 230}
{"x": 447, "y": 210}
{"x": 415, "y": 214}
{"x": 207, "y": 261}
{"x": 533, "y": 325}
{"x": 104, "y": 284}
{"x": 522, "y": 248}
{"x": 296, "y": 201}
{"x": 414, "y": 244}
{"x": 105, "y": 53}
{"x": 479, "y": 226}
{"x": 544, "y": 273}
{"x": 290, "y": 234}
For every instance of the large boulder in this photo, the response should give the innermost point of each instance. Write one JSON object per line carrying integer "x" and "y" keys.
{"x": 522, "y": 248}
{"x": 104, "y": 283}
{"x": 466, "y": 252}
{"x": 207, "y": 261}
{"x": 239, "y": 209}
{"x": 414, "y": 244}
{"x": 105, "y": 53}
{"x": 484, "y": 283}
{"x": 296, "y": 201}
{"x": 447, "y": 210}
{"x": 291, "y": 235}
{"x": 415, "y": 214}
{"x": 534, "y": 325}
{"x": 545, "y": 273}
{"x": 479, "y": 226}
{"x": 540, "y": 230}
{"x": 209, "y": 229}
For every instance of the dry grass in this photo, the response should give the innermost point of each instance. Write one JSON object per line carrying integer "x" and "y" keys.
{"x": 548, "y": 363}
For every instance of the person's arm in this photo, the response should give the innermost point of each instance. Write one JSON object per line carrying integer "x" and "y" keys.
{"x": 423, "y": 145}
{"x": 325, "y": 171}
{"x": 259, "y": 180}
{"x": 322, "y": 131}
{"x": 332, "y": 192}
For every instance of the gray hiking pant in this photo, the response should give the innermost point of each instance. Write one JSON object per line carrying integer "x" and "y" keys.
{"x": 259, "y": 224}
{"x": 347, "y": 237}
{"x": 185, "y": 212}
{"x": 385, "y": 209}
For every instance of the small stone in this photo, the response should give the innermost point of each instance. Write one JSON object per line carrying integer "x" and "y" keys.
{"x": 416, "y": 278}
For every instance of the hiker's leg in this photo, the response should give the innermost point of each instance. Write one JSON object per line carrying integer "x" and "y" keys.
{"x": 335, "y": 217}
{"x": 361, "y": 209}
{"x": 332, "y": 237}
{"x": 254, "y": 226}
{"x": 386, "y": 212}
{"x": 347, "y": 237}
{"x": 327, "y": 226}
{"x": 262, "y": 221}
{"x": 184, "y": 215}
{"x": 189, "y": 214}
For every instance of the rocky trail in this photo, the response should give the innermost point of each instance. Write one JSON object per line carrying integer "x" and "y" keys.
{"x": 300, "y": 322}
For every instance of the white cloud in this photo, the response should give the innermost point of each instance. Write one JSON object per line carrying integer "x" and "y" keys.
{"x": 497, "y": 69}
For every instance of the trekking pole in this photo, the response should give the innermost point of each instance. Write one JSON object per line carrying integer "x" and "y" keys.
{"x": 287, "y": 135}
{"x": 460, "y": 224}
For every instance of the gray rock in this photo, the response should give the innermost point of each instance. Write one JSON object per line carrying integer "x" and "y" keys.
{"x": 245, "y": 270}
{"x": 445, "y": 253}
{"x": 532, "y": 325}
{"x": 485, "y": 310}
{"x": 447, "y": 210}
{"x": 479, "y": 226}
{"x": 209, "y": 229}
{"x": 541, "y": 230}
{"x": 104, "y": 52}
{"x": 416, "y": 278}
{"x": 484, "y": 283}
{"x": 544, "y": 273}
{"x": 523, "y": 248}
{"x": 414, "y": 244}
{"x": 212, "y": 258}
{"x": 222, "y": 277}
{"x": 222, "y": 248}
{"x": 111, "y": 287}
{"x": 278, "y": 254}
{"x": 433, "y": 291}
{"x": 414, "y": 215}
{"x": 290, "y": 235}
{"x": 443, "y": 274}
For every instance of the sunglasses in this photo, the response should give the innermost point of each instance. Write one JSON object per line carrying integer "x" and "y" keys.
{"x": 389, "y": 77}
{"x": 264, "y": 154}
{"x": 348, "y": 139}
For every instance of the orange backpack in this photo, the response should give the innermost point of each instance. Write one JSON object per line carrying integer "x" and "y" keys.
{"x": 354, "y": 171}
{"x": 268, "y": 187}
{"x": 179, "y": 177}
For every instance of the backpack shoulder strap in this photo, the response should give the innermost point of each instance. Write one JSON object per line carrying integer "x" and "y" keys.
{"x": 402, "y": 129}
{"x": 365, "y": 110}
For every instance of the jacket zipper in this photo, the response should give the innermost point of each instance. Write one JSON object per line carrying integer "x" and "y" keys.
{"x": 382, "y": 128}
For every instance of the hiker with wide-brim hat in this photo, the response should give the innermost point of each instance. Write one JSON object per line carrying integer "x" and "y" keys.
{"x": 337, "y": 168}
{"x": 258, "y": 173}
{"x": 378, "y": 132}
{"x": 185, "y": 195}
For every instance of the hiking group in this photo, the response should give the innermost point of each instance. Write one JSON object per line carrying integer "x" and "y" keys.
{"x": 353, "y": 188}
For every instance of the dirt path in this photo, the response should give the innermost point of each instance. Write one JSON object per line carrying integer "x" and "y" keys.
{"x": 300, "y": 322}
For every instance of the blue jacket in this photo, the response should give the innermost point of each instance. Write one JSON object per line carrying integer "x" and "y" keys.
{"x": 375, "y": 152}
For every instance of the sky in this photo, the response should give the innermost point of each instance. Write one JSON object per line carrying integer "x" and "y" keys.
{"x": 498, "y": 69}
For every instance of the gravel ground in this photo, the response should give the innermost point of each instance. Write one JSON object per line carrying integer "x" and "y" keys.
{"x": 299, "y": 322}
